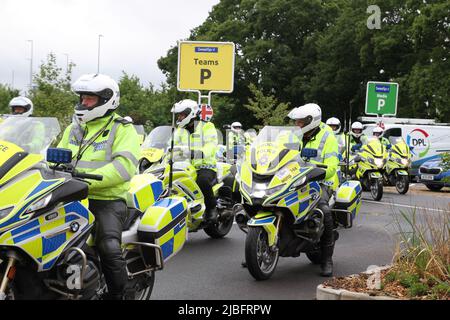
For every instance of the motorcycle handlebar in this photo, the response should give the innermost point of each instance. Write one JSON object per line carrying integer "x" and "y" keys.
{"x": 77, "y": 174}
{"x": 88, "y": 176}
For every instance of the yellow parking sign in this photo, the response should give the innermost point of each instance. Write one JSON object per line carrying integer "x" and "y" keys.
{"x": 205, "y": 66}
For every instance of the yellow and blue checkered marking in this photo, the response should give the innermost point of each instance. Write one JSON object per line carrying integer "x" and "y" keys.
{"x": 158, "y": 222}
{"x": 37, "y": 238}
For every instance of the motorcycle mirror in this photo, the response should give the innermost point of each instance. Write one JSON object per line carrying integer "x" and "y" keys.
{"x": 309, "y": 153}
{"x": 59, "y": 155}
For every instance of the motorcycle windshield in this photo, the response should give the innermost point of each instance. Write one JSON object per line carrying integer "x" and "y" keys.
{"x": 158, "y": 138}
{"x": 271, "y": 144}
{"x": 32, "y": 134}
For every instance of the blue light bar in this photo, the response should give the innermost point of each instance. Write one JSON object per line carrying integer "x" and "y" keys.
{"x": 59, "y": 155}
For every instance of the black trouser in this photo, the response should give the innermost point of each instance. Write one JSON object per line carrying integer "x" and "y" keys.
{"x": 231, "y": 183}
{"x": 327, "y": 238}
{"x": 205, "y": 180}
{"x": 110, "y": 216}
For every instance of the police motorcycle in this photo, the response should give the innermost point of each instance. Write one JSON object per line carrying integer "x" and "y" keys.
{"x": 398, "y": 165}
{"x": 281, "y": 189}
{"x": 47, "y": 249}
{"x": 180, "y": 178}
{"x": 366, "y": 163}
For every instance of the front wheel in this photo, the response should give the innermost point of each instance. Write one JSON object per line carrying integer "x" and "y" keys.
{"x": 402, "y": 184}
{"x": 221, "y": 228}
{"x": 376, "y": 189}
{"x": 260, "y": 258}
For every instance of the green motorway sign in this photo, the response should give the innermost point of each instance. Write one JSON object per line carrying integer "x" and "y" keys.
{"x": 381, "y": 98}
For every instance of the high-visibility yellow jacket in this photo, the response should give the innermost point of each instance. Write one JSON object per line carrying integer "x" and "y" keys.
{"x": 109, "y": 147}
{"x": 204, "y": 138}
{"x": 327, "y": 153}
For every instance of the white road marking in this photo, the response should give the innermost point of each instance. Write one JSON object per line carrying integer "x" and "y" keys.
{"x": 402, "y": 205}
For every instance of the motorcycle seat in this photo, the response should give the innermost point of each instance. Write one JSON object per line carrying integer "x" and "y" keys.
{"x": 133, "y": 215}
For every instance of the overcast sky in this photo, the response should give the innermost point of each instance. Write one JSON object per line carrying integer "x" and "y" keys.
{"x": 136, "y": 33}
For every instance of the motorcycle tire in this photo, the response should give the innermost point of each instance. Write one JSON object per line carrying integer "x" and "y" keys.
{"x": 145, "y": 292}
{"x": 260, "y": 259}
{"x": 376, "y": 189}
{"x": 402, "y": 184}
{"x": 433, "y": 187}
{"x": 221, "y": 228}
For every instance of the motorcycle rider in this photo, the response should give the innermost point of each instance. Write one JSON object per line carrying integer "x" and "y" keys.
{"x": 203, "y": 142}
{"x": 335, "y": 125}
{"x": 316, "y": 136}
{"x": 106, "y": 144}
{"x": 22, "y": 108}
{"x": 357, "y": 137}
{"x": 236, "y": 139}
{"x": 377, "y": 132}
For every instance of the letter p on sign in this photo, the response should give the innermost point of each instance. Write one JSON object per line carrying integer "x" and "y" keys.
{"x": 381, "y": 103}
{"x": 204, "y": 75}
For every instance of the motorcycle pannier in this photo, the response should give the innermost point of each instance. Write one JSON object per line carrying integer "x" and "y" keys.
{"x": 164, "y": 224}
{"x": 348, "y": 203}
{"x": 145, "y": 190}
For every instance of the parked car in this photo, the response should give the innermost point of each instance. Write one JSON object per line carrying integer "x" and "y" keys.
{"x": 432, "y": 175}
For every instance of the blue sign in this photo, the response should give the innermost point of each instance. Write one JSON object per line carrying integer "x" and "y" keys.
{"x": 207, "y": 49}
{"x": 383, "y": 89}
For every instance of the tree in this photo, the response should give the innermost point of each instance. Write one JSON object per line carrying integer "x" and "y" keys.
{"x": 52, "y": 96}
{"x": 6, "y": 94}
{"x": 266, "y": 108}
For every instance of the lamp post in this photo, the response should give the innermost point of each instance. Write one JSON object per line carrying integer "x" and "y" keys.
{"x": 31, "y": 64}
{"x": 67, "y": 62}
{"x": 98, "y": 61}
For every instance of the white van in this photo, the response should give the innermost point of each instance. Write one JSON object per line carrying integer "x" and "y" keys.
{"x": 426, "y": 138}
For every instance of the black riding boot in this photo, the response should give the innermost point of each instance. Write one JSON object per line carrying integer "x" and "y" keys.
{"x": 326, "y": 267}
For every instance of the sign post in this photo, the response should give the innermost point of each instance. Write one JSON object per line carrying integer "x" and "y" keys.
{"x": 381, "y": 98}
{"x": 205, "y": 66}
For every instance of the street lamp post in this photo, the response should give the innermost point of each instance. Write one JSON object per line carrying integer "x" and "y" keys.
{"x": 98, "y": 61}
{"x": 67, "y": 62}
{"x": 31, "y": 64}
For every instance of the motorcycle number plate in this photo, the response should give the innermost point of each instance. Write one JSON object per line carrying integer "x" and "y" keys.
{"x": 427, "y": 177}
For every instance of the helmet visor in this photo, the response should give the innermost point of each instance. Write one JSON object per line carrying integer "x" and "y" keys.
{"x": 303, "y": 122}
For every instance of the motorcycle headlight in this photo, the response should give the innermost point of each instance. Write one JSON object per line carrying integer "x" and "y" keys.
{"x": 259, "y": 194}
{"x": 405, "y": 162}
{"x": 371, "y": 160}
{"x": 5, "y": 212}
{"x": 379, "y": 162}
{"x": 41, "y": 203}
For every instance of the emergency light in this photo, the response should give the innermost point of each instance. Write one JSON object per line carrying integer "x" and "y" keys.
{"x": 59, "y": 155}
{"x": 309, "y": 153}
